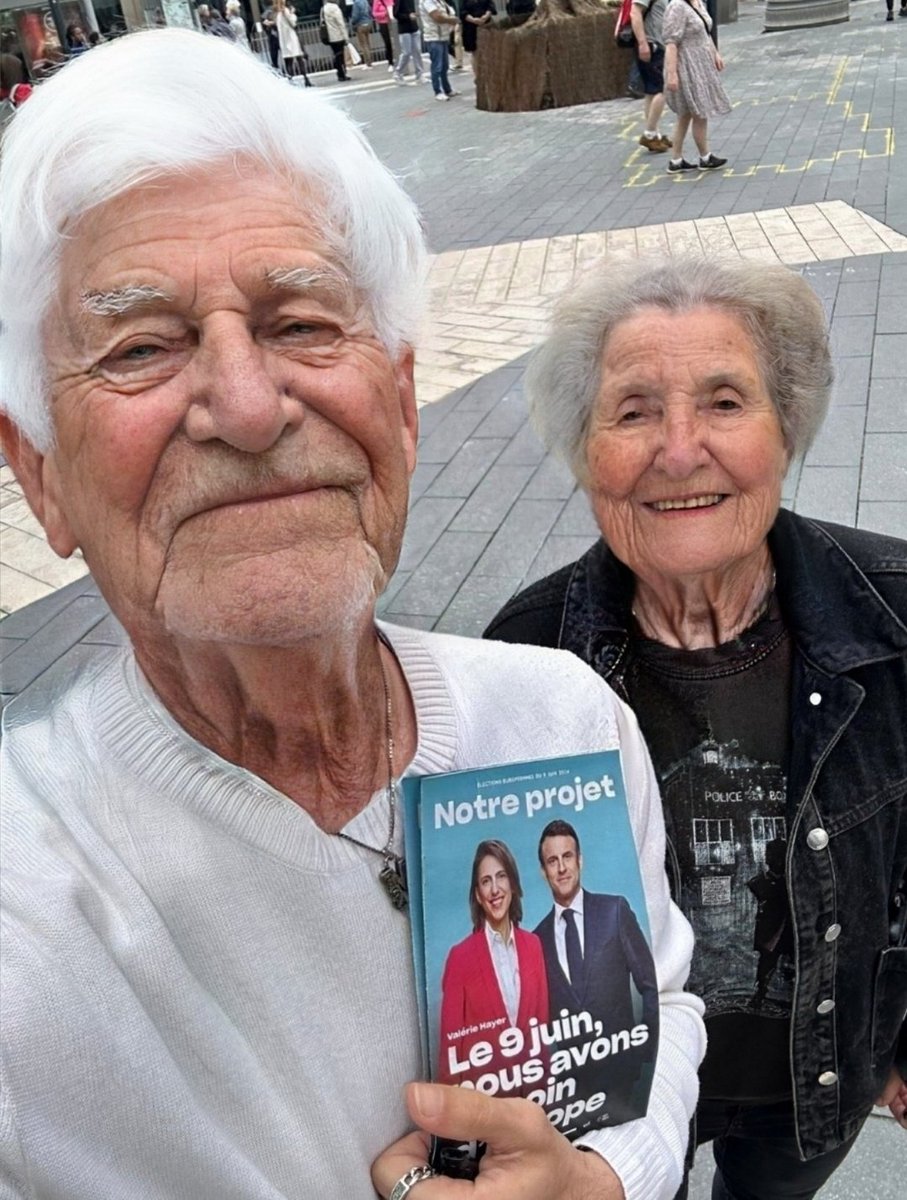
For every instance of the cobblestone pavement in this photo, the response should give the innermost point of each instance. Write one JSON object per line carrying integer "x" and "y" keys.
{"x": 514, "y": 206}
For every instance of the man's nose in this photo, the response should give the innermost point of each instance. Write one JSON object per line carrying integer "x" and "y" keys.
{"x": 684, "y": 443}
{"x": 239, "y": 395}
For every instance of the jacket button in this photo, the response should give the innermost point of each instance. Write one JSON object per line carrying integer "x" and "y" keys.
{"x": 827, "y": 1078}
{"x": 825, "y": 1007}
{"x": 815, "y": 698}
{"x": 817, "y": 839}
{"x": 832, "y": 932}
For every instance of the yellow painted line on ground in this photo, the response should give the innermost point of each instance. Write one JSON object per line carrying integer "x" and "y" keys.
{"x": 643, "y": 172}
{"x": 837, "y": 81}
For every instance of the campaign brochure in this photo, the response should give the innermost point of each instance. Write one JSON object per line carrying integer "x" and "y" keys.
{"x": 531, "y": 938}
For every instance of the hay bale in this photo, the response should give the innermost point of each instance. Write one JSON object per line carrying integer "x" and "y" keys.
{"x": 563, "y": 54}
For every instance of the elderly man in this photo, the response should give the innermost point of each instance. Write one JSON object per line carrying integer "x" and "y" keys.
{"x": 208, "y": 388}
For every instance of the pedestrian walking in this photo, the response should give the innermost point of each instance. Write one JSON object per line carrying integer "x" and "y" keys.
{"x": 361, "y": 25}
{"x": 292, "y": 53}
{"x": 889, "y": 4}
{"x": 269, "y": 24}
{"x": 382, "y": 17}
{"x": 332, "y": 17}
{"x": 410, "y": 41}
{"x": 437, "y": 19}
{"x": 694, "y": 89}
{"x": 647, "y": 17}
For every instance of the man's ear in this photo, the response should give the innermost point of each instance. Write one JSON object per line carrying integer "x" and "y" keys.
{"x": 406, "y": 390}
{"x": 38, "y": 476}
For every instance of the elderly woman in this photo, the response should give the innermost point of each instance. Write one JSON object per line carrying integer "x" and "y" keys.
{"x": 207, "y": 386}
{"x": 765, "y": 656}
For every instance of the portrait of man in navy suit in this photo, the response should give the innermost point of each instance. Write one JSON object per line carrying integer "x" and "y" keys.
{"x": 598, "y": 962}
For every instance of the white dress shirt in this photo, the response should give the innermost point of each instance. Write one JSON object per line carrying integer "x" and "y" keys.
{"x": 506, "y": 965}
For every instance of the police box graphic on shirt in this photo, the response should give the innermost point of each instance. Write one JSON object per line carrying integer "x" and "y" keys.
{"x": 726, "y": 820}
{"x": 531, "y": 937}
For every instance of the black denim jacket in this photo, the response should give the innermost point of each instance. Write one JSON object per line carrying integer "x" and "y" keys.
{"x": 843, "y": 594}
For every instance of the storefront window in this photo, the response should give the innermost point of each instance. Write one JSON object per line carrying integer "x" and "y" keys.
{"x": 31, "y": 35}
{"x": 36, "y": 34}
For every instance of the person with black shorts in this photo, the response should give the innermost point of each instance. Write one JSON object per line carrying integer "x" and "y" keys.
{"x": 646, "y": 17}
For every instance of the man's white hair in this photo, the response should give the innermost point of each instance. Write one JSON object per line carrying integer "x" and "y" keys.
{"x": 163, "y": 103}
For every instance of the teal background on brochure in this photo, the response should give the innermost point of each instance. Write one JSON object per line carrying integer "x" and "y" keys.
{"x": 609, "y": 859}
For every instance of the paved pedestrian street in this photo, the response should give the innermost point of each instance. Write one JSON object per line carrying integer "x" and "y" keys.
{"x": 515, "y": 206}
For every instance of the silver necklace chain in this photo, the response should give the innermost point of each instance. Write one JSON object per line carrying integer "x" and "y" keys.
{"x": 393, "y": 873}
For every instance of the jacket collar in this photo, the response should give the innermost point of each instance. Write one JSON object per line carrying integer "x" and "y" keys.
{"x": 831, "y": 607}
{"x": 834, "y": 613}
{"x": 597, "y": 609}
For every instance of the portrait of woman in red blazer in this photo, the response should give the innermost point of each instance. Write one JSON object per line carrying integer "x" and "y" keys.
{"x": 495, "y": 978}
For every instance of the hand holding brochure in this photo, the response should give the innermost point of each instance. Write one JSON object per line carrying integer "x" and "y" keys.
{"x": 530, "y": 933}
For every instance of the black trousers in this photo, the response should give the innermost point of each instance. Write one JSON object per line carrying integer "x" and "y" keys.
{"x": 339, "y": 65}
{"x": 756, "y": 1156}
{"x": 385, "y": 31}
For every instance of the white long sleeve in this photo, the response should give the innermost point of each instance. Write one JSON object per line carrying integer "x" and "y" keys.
{"x": 204, "y": 994}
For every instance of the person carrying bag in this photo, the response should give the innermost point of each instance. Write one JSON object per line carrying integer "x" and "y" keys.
{"x": 335, "y": 26}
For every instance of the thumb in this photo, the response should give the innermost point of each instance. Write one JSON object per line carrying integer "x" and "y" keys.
{"x": 465, "y": 1115}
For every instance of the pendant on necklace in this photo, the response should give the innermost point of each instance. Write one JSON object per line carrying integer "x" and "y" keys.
{"x": 393, "y": 880}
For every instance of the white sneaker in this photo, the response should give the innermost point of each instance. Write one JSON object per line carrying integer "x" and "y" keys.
{"x": 441, "y": 96}
{"x": 399, "y": 79}
{"x": 390, "y": 67}
{"x": 452, "y": 92}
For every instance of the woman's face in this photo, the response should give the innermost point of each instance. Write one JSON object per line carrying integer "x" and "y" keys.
{"x": 685, "y": 454}
{"x": 493, "y": 891}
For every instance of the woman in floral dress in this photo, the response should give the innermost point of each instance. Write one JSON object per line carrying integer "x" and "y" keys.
{"x": 693, "y": 89}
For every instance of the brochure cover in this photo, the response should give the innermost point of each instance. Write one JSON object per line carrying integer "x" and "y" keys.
{"x": 531, "y": 941}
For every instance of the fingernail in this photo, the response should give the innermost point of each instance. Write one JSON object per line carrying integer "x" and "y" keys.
{"x": 427, "y": 1099}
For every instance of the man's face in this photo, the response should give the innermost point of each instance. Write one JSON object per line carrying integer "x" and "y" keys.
{"x": 561, "y": 866}
{"x": 233, "y": 443}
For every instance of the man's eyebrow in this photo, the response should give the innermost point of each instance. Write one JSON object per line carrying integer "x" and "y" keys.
{"x": 120, "y": 302}
{"x": 326, "y": 280}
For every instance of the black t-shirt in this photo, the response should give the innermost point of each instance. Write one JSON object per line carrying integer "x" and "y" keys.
{"x": 716, "y": 722}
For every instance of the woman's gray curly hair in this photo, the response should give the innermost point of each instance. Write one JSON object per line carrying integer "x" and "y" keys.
{"x": 782, "y": 314}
